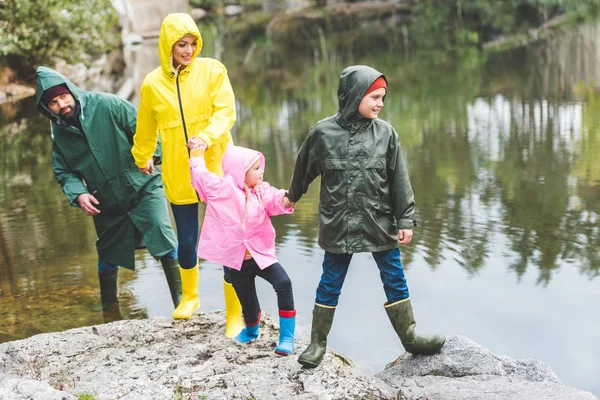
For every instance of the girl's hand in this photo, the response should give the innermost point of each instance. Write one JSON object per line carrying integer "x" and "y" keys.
{"x": 195, "y": 142}
{"x": 287, "y": 203}
{"x": 404, "y": 236}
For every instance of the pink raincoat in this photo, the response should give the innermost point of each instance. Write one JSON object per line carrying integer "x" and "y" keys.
{"x": 225, "y": 236}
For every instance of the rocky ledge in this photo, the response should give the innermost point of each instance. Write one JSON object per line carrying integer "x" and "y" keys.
{"x": 165, "y": 359}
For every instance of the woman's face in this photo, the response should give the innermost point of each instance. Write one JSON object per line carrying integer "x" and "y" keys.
{"x": 184, "y": 50}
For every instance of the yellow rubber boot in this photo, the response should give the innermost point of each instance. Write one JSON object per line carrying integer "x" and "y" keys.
{"x": 189, "y": 299}
{"x": 233, "y": 311}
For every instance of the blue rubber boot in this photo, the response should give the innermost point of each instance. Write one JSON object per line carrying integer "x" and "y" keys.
{"x": 250, "y": 332}
{"x": 287, "y": 326}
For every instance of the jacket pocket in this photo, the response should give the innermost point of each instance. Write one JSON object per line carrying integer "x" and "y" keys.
{"x": 376, "y": 178}
{"x": 334, "y": 175}
{"x": 379, "y": 222}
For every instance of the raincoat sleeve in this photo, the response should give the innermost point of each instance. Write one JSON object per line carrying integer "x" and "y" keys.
{"x": 223, "y": 106}
{"x": 402, "y": 197}
{"x": 273, "y": 200}
{"x": 126, "y": 116}
{"x": 306, "y": 169}
{"x": 206, "y": 183}
{"x": 146, "y": 134}
{"x": 70, "y": 183}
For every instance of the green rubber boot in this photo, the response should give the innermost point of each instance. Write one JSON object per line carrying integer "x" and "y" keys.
{"x": 171, "y": 268}
{"x": 321, "y": 325}
{"x": 402, "y": 319}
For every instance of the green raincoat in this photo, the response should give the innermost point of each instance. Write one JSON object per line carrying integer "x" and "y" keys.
{"x": 365, "y": 194}
{"x": 99, "y": 161}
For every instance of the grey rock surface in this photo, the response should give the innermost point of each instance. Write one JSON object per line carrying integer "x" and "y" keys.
{"x": 464, "y": 370}
{"x": 161, "y": 358}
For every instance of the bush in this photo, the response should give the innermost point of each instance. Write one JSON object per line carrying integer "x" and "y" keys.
{"x": 41, "y": 32}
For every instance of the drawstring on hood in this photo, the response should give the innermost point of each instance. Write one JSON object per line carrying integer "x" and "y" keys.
{"x": 354, "y": 83}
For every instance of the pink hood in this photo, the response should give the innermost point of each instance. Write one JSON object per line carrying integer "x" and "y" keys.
{"x": 230, "y": 228}
{"x": 235, "y": 163}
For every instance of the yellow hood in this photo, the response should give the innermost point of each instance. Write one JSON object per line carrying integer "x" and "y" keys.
{"x": 173, "y": 28}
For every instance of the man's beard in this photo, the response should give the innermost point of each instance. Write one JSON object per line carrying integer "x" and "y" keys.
{"x": 69, "y": 114}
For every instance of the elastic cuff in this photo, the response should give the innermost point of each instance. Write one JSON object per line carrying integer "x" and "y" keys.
{"x": 397, "y": 302}
{"x": 257, "y": 319}
{"x": 287, "y": 314}
{"x": 323, "y": 305}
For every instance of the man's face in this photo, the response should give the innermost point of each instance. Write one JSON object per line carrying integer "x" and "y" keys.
{"x": 63, "y": 105}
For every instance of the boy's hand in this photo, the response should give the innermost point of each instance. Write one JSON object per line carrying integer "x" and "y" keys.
{"x": 86, "y": 202}
{"x": 404, "y": 236}
{"x": 287, "y": 203}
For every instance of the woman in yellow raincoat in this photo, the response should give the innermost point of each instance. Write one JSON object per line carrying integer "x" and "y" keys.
{"x": 189, "y": 102}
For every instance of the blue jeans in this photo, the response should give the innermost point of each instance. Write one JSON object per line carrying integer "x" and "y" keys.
{"x": 108, "y": 267}
{"x": 243, "y": 282}
{"x": 186, "y": 223}
{"x": 335, "y": 268}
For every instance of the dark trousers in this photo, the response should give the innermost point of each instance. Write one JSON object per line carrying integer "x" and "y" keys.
{"x": 186, "y": 221}
{"x": 243, "y": 283}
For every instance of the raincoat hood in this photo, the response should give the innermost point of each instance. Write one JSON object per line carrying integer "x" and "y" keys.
{"x": 235, "y": 163}
{"x": 354, "y": 82}
{"x": 173, "y": 28}
{"x": 46, "y": 78}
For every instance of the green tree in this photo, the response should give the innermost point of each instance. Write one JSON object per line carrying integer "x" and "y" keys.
{"x": 42, "y": 32}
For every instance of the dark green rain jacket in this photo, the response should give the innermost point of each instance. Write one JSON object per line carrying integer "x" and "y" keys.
{"x": 99, "y": 161}
{"x": 365, "y": 194}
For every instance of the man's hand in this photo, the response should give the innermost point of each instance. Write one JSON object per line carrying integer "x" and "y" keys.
{"x": 404, "y": 236}
{"x": 149, "y": 169}
{"x": 86, "y": 202}
{"x": 196, "y": 142}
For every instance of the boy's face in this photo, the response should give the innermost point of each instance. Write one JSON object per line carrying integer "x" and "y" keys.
{"x": 254, "y": 176}
{"x": 372, "y": 103}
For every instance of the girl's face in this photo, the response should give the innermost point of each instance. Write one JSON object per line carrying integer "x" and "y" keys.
{"x": 254, "y": 176}
{"x": 372, "y": 103}
{"x": 184, "y": 50}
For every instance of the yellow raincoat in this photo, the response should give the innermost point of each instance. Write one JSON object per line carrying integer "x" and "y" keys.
{"x": 196, "y": 101}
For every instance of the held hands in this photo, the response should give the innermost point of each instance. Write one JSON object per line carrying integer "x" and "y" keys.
{"x": 287, "y": 203}
{"x": 196, "y": 142}
{"x": 149, "y": 168}
{"x": 404, "y": 236}
{"x": 86, "y": 202}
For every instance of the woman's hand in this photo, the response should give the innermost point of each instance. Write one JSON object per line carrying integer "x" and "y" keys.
{"x": 149, "y": 168}
{"x": 196, "y": 142}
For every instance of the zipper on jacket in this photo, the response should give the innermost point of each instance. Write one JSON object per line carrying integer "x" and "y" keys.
{"x": 183, "y": 122}
{"x": 181, "y": 111}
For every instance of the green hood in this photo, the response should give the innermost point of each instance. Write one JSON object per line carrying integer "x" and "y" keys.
{"x": 46, "y": 78}
{"x": 354, "y": 82}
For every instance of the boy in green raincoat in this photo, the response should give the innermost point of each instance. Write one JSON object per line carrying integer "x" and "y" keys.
{"x": 366, "y": 205}
{"x": 92, "y": 135}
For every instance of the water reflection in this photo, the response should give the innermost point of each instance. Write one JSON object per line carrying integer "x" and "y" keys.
{"x": 503, "y": 161}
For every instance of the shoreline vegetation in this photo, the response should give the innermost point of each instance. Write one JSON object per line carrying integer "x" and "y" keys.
{"x": 452, "y": 28}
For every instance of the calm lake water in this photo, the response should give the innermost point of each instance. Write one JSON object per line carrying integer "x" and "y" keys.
{"x": 503, "y": 153}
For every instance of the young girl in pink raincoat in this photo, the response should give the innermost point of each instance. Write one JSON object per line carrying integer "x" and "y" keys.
{"x": 237, "y": 233}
